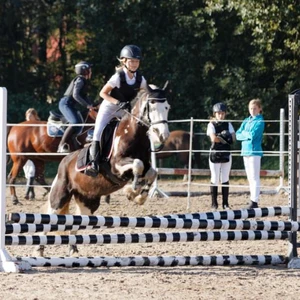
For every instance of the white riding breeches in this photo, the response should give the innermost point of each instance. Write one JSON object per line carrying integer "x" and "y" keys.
{"x": 220, "y": 171}
{"x": 252, "y": 167}
{"x": 106, "y": 113}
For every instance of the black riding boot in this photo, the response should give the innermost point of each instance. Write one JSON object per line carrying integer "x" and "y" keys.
{"x": 93, "y": 168}
{"x": 225, "y": 192}
{"x": 66, "y": 140}
{"x": 214, "y": 197}
{"x": 30, "y": 189}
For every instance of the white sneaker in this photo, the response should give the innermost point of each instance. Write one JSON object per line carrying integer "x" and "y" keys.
{"x": 65, "y": 148}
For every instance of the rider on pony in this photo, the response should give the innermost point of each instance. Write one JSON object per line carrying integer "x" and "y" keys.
{"x": 75, "y": 93}
{"x": 117, "y": 93}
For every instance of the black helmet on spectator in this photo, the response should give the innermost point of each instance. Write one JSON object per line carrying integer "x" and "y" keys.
{"x": 131, "y": 51}
{"x": 82, "y": 68}
{"x": 219, "y": 107}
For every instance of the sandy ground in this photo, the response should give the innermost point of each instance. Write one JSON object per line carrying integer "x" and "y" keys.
{"x": 216, "y": 282}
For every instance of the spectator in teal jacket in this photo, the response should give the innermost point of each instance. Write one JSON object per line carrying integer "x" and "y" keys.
{"x": 250, "y": 134}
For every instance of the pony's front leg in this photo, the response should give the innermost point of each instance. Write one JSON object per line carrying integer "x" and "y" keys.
{"x": 137, "y": 167}
{"x": 148, "y": 179}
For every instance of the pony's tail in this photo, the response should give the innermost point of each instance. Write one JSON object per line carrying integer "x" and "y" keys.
{"x": 197, "y": 155}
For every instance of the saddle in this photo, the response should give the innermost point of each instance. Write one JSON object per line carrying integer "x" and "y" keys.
{"x": 84, "y": 160}
{"x": 55, "y": 124}
{"x": 56, "y": 117}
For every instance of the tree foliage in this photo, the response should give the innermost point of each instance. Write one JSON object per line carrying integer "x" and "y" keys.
{"x": 210, "y": 50}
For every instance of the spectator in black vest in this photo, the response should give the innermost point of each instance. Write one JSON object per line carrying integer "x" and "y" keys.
{"x": 75, "y": 93}
{"x": 117, "y": 93}
{"x": 222, "y": 135}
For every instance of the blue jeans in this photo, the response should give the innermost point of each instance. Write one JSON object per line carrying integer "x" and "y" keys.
{"x": 66, "y": 106}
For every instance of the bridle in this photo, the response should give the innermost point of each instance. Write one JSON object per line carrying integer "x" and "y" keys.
{"x": 147, "y": 107}
{"x": 149, "y": 123}
{"x": 147, "y": 110}
{"x": 91, "y": 114}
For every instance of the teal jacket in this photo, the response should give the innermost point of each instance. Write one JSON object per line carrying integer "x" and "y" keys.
{"x": 250, "y": 134}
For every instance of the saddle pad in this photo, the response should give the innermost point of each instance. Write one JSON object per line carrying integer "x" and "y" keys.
{"x": 55, "y": 129}
{"x": 107, "y": 138}
{"x": 82, "y": 159}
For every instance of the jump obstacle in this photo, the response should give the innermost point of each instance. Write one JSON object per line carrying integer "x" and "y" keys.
{"x": 140, "y": 261}
{"x": 211, "y": 220}
{"x": 41, "y": 222}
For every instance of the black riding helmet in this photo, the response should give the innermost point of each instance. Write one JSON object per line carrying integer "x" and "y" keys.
{"x": 82, "y": 68}
{"x": 131, "y": 51}
{"x": 219, "y": 107}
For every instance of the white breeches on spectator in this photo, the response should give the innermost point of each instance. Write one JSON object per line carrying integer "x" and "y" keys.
{"x": 106, "y": 113}
{"x": 220, "y": 171}
{"x": 252, "y": 167}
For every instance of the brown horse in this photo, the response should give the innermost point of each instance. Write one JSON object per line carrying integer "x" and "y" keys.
{"x": 35, "y": 139}
{"x": 130, "y": 160}
{"x": 177, "y": 141}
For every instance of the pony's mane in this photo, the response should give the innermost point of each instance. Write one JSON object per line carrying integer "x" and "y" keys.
{"x": 142, "y": 96}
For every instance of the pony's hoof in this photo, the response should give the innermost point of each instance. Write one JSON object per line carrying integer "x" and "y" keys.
{"x": 39, "y": 252}
{"x": 73, "y": 251}
{"x": 46, "y": 193}
{"x": 128, "y": 192}
{"x": 140, "y": 199}
{"x": 107, "y": 199}
{"x": 15, "y": 201}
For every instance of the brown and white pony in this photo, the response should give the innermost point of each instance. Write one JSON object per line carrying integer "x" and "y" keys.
{"x": 130, "y": 160}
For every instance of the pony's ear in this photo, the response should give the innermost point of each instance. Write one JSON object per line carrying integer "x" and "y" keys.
{"x": 149, "y": 89}
{"x": 166, "y": 85}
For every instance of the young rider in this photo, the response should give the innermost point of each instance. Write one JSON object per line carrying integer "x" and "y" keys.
{"x": 117, "y": 93}
{"x": 222, "y": 135}
{"x": 75, "y": 93}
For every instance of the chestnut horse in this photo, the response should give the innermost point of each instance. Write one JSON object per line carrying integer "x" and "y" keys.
{"x": 130, "y": 160}
{"x": 177, "y": 141}
{"x": 35, "y": 139}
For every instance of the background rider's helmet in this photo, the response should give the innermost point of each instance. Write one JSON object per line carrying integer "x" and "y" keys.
{"x": 131, "y": 51}
{"x": 219, "y": 107}
{"x": 82, "y": 68}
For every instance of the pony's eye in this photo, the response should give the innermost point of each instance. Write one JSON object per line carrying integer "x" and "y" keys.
{"x": 152, "y": 101}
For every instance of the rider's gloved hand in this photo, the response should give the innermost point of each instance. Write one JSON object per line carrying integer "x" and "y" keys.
{"x": 124, "y": 105}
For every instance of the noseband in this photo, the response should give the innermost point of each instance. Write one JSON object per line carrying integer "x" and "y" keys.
{"x": 154, "y": 100}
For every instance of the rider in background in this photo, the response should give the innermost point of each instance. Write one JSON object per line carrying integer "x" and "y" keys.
{"x": 75, "y": 93}
{"x": 117, "y": 93}
{"x": 29, "y": 168}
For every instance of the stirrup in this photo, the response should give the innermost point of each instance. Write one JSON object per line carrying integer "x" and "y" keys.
{"x": 91, "y": 170}
{"x": 65, "y": 148}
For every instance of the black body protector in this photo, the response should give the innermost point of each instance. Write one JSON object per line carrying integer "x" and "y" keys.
{"x": 127, "y": 92}
{"x": 83, "y": 92}
{"x": 219, "y": 127}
